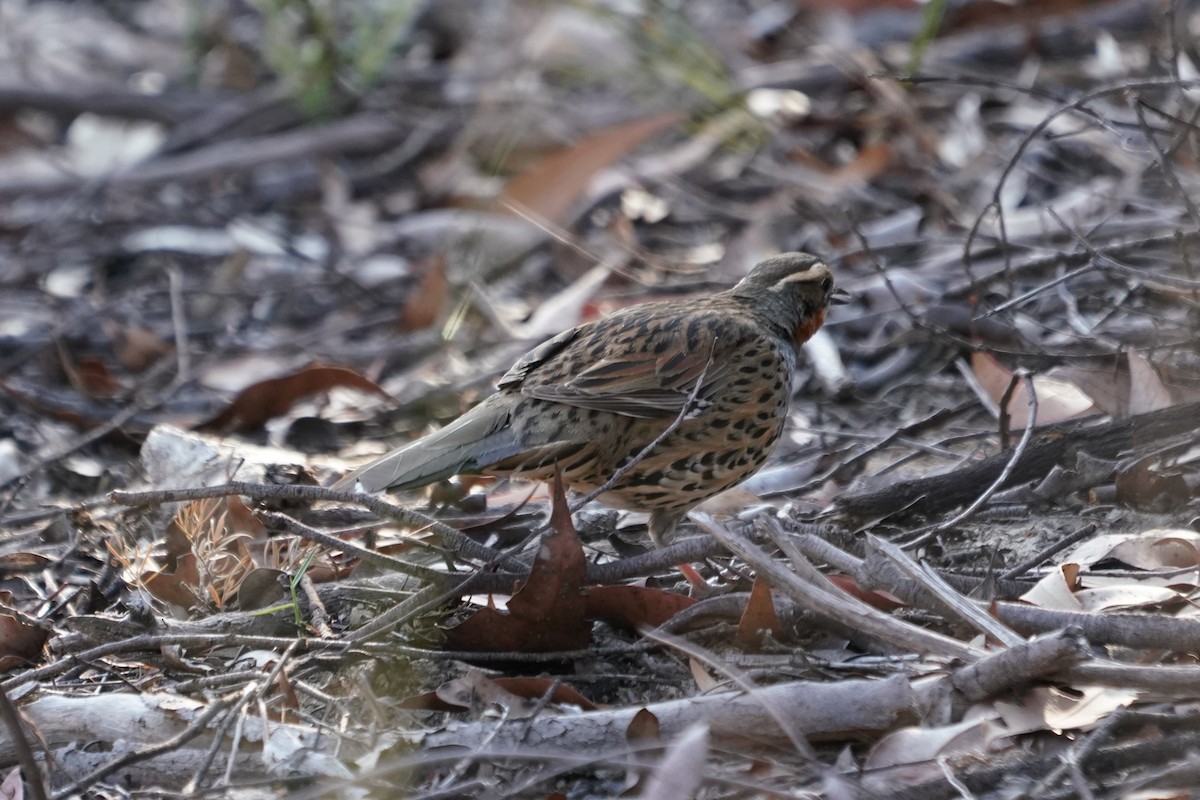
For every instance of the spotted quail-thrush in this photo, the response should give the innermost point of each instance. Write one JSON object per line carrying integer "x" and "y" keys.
{"x": 593, "y": 397}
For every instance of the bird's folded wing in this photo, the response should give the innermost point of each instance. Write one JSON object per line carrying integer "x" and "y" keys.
{"x": 640, "y": 384}
{"x": 539, "y": 355}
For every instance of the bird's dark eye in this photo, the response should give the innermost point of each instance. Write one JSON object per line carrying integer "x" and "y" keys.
{"x": 826, "y": 285}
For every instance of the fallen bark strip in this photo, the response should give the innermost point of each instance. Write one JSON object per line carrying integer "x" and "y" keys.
{"x": 1107, "y": 767}
{"x": 138, "y": 720}
{"x": 1126, "y": 629}
{"x": 354, "y": 134}
{"x": 817, "y": 710}
{"x": 1053, "y": 445}
{"x": 169, "y": 108}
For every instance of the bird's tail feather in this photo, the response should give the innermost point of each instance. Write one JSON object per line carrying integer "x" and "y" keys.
{"x": 474, "y": 441}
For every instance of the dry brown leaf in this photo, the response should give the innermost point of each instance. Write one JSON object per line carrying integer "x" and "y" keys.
{"x": 551, "y": 187}
{"x": 477, "y": 692}
{"x": 643, "y": 727}
{"x": 634, "y": 607}
{"x": 20, "y": 642}
{"x": 271, "y": 398}
{"x": 1145, "y": 486}
{"x": 759, "y": 618}
{"x": 88, "y": 375}
{"x": 548, "y": 612}
{"x": 876, "y": 598}
{"x": 136, "y": 348}
{"x": 424, "y": 304}
{"x": 870, "y": 162}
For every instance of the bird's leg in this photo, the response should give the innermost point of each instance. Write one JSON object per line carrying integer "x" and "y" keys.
{"x": 662, "y": 525}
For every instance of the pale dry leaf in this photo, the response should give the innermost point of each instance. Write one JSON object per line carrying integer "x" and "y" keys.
{"x": 1156, "y": 548}
{"x": 1182, "y": 582}
{"x": 1050, "y": 709}
{"x": 1146, "y": 390}
{"x": 1057, "y": 400}
{"x": 565, "y": 309}
{"x": 704, "y": 681}
{"x": 1055, "y": 590}
{"x": 97, "y": 146}
{"x": 1108, "y": 388}
{"x": 926, "y": 745}
{"x": 679, "y": 774}
{"x": 1064, "y": 711}
{"x": 1130, "y": 595}
{"x": 826, "y": 360}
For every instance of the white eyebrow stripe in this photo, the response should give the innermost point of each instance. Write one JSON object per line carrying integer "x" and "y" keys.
{"x": 797, "y": 276}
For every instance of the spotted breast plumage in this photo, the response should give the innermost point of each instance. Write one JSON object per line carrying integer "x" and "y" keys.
{"x": 717, "y": 368}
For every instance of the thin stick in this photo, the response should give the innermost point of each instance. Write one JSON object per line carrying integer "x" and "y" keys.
{"x": 1005, "y": 416}
{"x": 928, "y": 533}
{"x": 34, "y": 780}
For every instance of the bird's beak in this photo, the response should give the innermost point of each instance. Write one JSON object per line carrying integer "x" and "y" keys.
{"x": 839, "y": 297}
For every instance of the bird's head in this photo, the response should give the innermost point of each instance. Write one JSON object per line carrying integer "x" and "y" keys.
{"x": 790, "y": 291}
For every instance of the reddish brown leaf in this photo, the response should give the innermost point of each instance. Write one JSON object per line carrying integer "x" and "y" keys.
{"x": 871, "y": 161}
{"x": 287, "y": 693}
{"x": 759, "y": 616}
{"x": 178, "y": 587}
{"x": 424, "y": 304}
{"x": 88, "y": 375}
{"x": 1143, "y": 486}
{"x": 643, "y": 727}
{"x": 271, "y": 398}
{"x": 632, "y": 607}
{"x": 547, "y": 613}
{"x": 95, "y": 378}
{"x": 552, "y": 186}
{"x": 878, "y": 599}
{"x": 20, "y": 642}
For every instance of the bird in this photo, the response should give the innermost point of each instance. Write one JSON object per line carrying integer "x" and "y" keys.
{"x": 709, "y": 376}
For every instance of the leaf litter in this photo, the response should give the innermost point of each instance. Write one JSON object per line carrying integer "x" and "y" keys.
{"x": 183, "y": 238}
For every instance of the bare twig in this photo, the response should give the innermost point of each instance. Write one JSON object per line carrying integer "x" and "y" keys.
{"x": 183, "y": 357}
{"x": 194, "y": 729}
{"x": 925, "y": 534}
{"x": 11, "y": 718}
